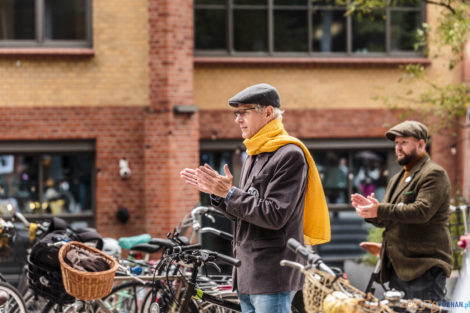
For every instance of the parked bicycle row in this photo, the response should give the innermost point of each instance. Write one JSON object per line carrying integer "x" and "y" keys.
{"x": 181, "y": 280}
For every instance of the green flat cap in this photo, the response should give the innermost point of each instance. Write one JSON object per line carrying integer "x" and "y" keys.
{"x": 408, "y": 129}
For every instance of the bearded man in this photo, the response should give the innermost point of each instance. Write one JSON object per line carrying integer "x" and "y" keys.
{"x": 416, "y": 248}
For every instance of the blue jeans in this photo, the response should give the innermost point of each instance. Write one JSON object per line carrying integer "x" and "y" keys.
{"x": 267, "y": 303}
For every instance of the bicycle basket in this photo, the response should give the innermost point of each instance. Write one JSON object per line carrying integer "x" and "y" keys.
{"x": 316, "y": 287}
{"x": 47, "y": 283}
{"x": 86, "y": 285}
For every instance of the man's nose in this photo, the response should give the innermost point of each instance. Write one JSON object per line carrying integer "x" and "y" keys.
{"x": 238, "y": 118}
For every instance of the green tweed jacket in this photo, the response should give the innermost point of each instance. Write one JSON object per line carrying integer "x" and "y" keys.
{"x": 415, "y": 214}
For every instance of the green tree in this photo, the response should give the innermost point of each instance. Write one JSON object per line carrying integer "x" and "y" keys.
{"x": 446, "y": 101}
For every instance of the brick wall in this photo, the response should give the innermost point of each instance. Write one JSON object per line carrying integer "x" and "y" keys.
{"x": 171, "y": 140}
{"x": 117, "y": 74}
{"x": 123, "y": 97}
{"x": 117, "y": 132}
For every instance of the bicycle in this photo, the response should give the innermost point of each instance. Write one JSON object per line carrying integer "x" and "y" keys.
{"x": 10, "y": 298}
{"x": 186, "y": 296}
{"x": 322, "y": 281}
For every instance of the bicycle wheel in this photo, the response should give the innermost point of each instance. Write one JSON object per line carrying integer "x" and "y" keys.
{"x": 125, "y": 298}
{"x": 163, "y": 300}
{"x": 37, "y": 304}
{"x": 10, "y": 299}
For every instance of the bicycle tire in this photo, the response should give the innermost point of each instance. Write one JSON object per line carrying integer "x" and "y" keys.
{"x": 127, "y": 297}
{"x": 165, "y": 300}
{"x": 38, "y": 304}
{"x": 12, "y": 301}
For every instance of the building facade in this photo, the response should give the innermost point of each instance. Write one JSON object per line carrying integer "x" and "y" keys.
{"x": 147, "y": 81}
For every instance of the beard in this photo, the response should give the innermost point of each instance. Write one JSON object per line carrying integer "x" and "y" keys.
{"x": 407, "y": 158}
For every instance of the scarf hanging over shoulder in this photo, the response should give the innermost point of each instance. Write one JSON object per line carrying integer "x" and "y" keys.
{"x": 316, "y": 217}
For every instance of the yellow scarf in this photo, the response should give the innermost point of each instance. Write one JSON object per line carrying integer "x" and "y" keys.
{"x": 316, "y": 218}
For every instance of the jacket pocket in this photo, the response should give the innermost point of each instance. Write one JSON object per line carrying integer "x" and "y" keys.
{"x": 408, "y": 197}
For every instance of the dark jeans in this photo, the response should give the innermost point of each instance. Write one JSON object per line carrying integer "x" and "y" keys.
{"x": 430, "y": 286}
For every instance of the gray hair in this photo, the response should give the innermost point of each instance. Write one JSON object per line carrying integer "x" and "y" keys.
{"x": 277, "y": 113}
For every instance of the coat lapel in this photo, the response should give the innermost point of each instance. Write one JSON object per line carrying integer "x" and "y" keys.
{"x": 408, "y": 179}
{"x": 261, "y": 160}
{"x": 393, "y": 186}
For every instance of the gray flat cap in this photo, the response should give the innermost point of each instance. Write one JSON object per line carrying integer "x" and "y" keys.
{"x": 262, "y": 94}
{"x": 408, "y": 129}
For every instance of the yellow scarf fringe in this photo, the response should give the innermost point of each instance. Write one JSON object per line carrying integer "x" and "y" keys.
{"x": 316, "y": 217}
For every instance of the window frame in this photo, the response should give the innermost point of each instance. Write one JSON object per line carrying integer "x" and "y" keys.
{"x": 270, "y": 8}
{"x": 40, "y": 148}
{"x": 41, "y": 42}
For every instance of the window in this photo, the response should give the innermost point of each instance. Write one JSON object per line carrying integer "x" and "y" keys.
{"x": 45, "y": 23}
{"x": 303, "y": 27}
{"x": 345, "y": 166}
{"x": 56, "y": 179}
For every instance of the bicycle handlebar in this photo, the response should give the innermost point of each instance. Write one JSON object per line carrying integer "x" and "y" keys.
{"x": 310, "y": 256}
{"x": 217, "y": 232}
{"x": 227, "y": 259}
{"x": 177, "y": 249}
{"x": 22, "y": 219}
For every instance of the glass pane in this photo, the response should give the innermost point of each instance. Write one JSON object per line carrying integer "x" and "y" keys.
{"x": 290, "y": 2}
{"x": 67, "y": 183}
{"x": 250, "y": 32}
{"x": 19, "y": 177}
{"x": 290, "y": 30}
{"x": 210, "y": 29}
{"x": 248, "y": 2}
{"x": 334, "y": 172}
{"x": 329, "y": 31}
{"x": 370, "y": 173}
{"x": 65, "y": 20}
{"x": 404, "y": 27}
{"x": 17, "y": 20}
{"x": 369, "y": 33}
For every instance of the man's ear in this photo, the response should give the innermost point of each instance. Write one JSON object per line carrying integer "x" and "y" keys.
{"x": 422, "y": 144}
{"x": 269, "y": 111}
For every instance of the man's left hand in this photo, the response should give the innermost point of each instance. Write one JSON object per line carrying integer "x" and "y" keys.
{"x": 210, "y": 181}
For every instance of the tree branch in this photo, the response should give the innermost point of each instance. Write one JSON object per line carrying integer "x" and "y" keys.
{"x": 446, "y": 5}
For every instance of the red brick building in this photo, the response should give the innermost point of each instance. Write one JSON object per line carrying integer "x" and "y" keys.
{"x": 126, "y": 84}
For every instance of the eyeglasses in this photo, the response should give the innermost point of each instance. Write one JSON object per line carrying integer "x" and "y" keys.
{"x": 241, "y": 112}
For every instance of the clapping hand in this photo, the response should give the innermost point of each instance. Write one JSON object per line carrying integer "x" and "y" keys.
{"x": 365, "y": 207}
{"x": 206, "y": 179}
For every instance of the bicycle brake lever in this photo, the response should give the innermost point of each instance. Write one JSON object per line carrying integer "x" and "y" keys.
{"x": 218, "y": 269}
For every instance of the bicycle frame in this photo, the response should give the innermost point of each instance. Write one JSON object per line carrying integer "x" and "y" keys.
{"x": 199, "y": 294}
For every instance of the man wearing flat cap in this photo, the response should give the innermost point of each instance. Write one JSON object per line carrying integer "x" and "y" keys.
{"x": 279, "y": 196}
{"x": 416, "y": 248}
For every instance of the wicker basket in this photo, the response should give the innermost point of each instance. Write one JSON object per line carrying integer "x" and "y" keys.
{"x": 316, "y": 287}
{"x": 86, "y": 285}
{"x": 319, "y": 284}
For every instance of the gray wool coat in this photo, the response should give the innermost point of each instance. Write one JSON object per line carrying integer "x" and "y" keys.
{"x": 267, "y": 209}
{"x": 415, "y": 215}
